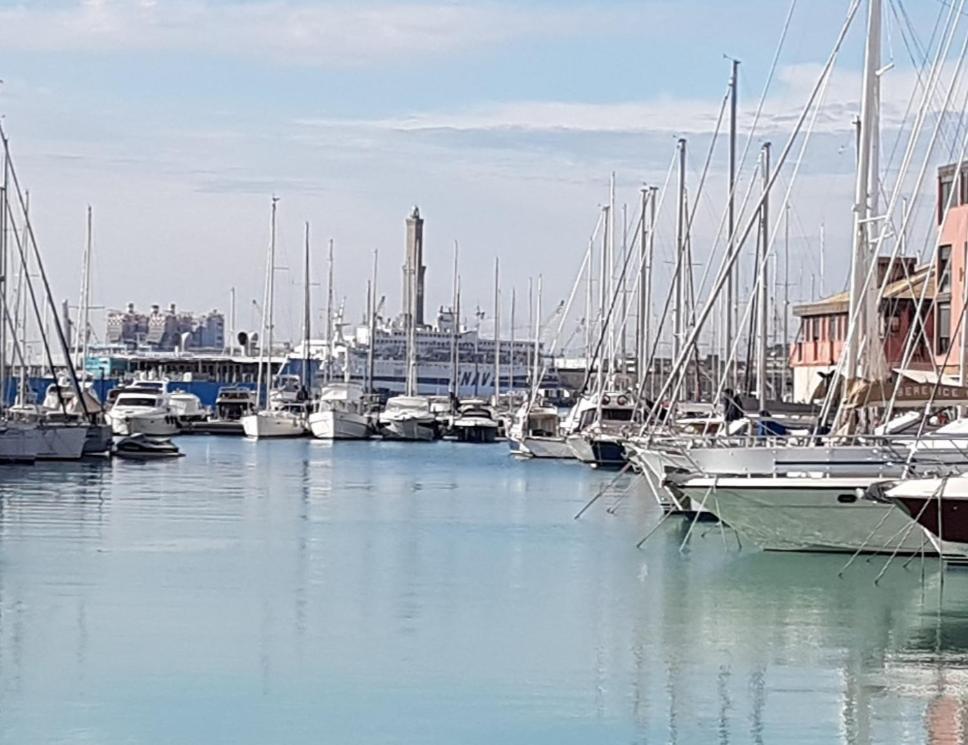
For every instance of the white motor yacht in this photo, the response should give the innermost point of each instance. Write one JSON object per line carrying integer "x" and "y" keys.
{"x": 187, "y": 407}
{"x": 142, "y": 408}
{"x": 475, "y": 422}
{"x": 536, "y": 432}
{"x": 408, "y": 418}
{"x": 340, "y": 413}
{"x": 603, "y": 422}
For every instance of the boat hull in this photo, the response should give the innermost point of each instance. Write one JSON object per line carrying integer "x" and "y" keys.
{"x": 483, "y": 433}
{"x": 19, "y": 444}
{"x": 601, "y": 451}
{"x": 415, "y": 430}
{"x": 153, "y": 425}
{"x": 809, "y": 515}
{"x": 267, "y": 425}
{"x": 339, "y": 425}
{"x": 542, "y": 447}
{"x": 61, "y": 442}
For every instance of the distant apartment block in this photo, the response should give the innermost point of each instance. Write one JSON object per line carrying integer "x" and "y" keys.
{"x": 166, "y": 330}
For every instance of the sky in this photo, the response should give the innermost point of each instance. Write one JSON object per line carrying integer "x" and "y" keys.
{"x": 177, "y": 120}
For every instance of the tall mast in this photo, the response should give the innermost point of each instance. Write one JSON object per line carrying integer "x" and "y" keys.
{"x": 786, "y": 295}
{"x": 649, "y": 256}
{"x": 589, "y": 279}
{"x": 622, "y": 343}
{"x": 329, "y": 316}
{"x": 511, "y": 347}
{"x": 272, "y": 289}
{"x": 536, "y": 359}
{"x": 863, "y": 194}
{"x": 81, "y": 335}
{"x": 730, "y": 315}
{"x": 640, "y": 314}
{"x": 306, "y": 316}
{"x": 4, "y": 208}
{"x": 678, "y": 324}
{"x": 603, "y": 296}
{"x": 762, "y": 305}
{"x": 455, "y": 333}
{"x": 371, "y": 351}
{"x": 611, "y": 268}
{"x": 497, "y": 330}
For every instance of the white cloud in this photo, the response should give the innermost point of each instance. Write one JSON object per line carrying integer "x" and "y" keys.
{"x": 318, "y": 33}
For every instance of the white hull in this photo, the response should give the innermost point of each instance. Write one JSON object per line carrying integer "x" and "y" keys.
{"x": 655, "y": 465}
{"x": 339, "y": 425}
{"x": 272, "y": 424}
{"x": 153, "y": 424}
{"x": 808, "y": 514}
{"x": 580, "y": 448}
{"x": 19, "y": 444}
{"x": 543, "y": 447}
{"x": 60, "y": 442}
{"x": 416, "y": 430}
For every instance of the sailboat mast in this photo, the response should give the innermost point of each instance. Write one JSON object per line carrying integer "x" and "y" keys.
{"x": 371, "y": 349}
{"x": 306, "y": 315}
{"x": 536, "y": 363}
{"x": 731, "y": 279}
{"x": 647, "y": 302}
{"x": 762, "y": 306}
{"x": 786, "y": 297}
{"x": 602, "y": 299}
{"x": 678, "y": 330}
{"x": 4, "y": 208}
{"x": 622, "y": 339}
{"x": 611, "y": 268}
{"x": 866, "y": 157}
{"x": 497, "y": 330}
{"x": 329, "y": 316}
{"x": 272, "y": 290}
{"x": 455, "y": 332}
{"x": 511, "y": 363}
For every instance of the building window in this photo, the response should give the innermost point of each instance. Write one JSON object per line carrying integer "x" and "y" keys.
{"x": 943, "y": 327}
{"x": 944, "y": 269}
{"x": 944, "y": 192}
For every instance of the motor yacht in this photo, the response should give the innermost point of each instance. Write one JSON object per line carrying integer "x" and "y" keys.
{"x": 408, "y": 418}
{"x": 144, "y": 408}
{"x": 340, "y": 413}
{"x": 475, "y": 422}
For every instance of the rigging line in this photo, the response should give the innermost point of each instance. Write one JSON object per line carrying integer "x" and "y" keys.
{"x": 772, "y": 240}
{"x": 853, "y": 326}
{"x": 768, "y": 84}
{"x": 729, "y": 260}
{"x": 920, "y": 65}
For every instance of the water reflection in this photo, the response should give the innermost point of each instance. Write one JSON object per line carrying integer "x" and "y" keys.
{"x": 280, "y": 591}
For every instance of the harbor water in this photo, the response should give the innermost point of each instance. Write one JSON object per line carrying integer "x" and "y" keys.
{"x": 378, "y": 593}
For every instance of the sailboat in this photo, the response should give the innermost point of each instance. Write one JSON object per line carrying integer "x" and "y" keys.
{"x": 410, "y": 417}
{"x": 284, "y": 413}
{"x": 340, "y": 410}
{"x": 815, "y": 501}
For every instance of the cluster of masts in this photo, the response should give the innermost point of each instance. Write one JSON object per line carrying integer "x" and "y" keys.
{"x": 873, "y": 467}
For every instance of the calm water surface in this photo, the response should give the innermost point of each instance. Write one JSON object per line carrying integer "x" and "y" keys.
{"x": 297, "y": 592}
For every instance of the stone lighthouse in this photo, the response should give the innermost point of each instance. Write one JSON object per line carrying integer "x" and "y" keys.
{"x": 413, "y": 269}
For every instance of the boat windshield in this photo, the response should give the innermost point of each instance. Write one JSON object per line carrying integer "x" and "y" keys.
{"x": 137, "y": 401}
{"x": 617, "y": 415}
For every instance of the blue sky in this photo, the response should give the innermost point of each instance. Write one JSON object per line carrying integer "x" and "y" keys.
{"x": 177, "y": 120}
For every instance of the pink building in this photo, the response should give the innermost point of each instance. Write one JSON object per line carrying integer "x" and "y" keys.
{"x": 823, "y": 323}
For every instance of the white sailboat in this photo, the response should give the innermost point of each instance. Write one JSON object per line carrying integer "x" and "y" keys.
{"x": 279, "y": 418}
{"x": 410, "y": 417}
